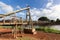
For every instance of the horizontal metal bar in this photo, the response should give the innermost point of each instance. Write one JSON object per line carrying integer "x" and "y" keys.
{"x": 7, "y": 14}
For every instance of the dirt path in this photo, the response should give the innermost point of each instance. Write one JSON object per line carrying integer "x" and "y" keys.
{"x": 39, "y": 36}
{"x": 45, "y": 36}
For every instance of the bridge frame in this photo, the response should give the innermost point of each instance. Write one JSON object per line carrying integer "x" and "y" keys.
{"x": 15, "y": 20}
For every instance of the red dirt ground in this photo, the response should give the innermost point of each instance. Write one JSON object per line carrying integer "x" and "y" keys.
{"x": 39, "y": 36}
{"x": 5, "y": 30}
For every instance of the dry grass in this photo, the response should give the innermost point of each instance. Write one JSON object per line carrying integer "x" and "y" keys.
{"x": 26, "y": 38}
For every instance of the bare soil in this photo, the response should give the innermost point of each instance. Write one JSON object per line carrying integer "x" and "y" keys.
{"x": 39, "y": 36}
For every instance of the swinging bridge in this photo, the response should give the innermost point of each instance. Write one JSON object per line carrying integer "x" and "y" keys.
{"x": 28, "y": 22}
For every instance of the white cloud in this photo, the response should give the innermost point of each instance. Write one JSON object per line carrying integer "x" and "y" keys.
{"x": 51, "y": 11}
{"x": 56, "y": 13}
{"x": 35, "y": 13}
{"x": 18, "y": 7}
{"x": 5, "y": 8}
{"x": 49, "y": 4}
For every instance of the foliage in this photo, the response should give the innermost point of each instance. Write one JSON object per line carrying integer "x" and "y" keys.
{"x": 57, "y": 20}
{"x": 52, "y": 20}
{"x": 7, "y": 27}
{"x": 47, "y": 29}
{"x": 43, "y": 19}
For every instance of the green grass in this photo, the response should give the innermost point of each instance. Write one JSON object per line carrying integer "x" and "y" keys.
{"x": 47, "y": 29}
{"x": 10, "y": 27}
{"x": 1, "y": 26}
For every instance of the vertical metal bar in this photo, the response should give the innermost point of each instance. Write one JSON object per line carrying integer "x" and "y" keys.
{"x": 30, "y": 20}
{"x": 3, "y": 19}
{"x": 21, "y": 23}
{"x": 16, "y": 30}
{"x": 26, "y": 17}
{"x": 14, "y": 18}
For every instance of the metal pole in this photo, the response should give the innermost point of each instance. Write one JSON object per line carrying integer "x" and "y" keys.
{"x": 3, "y": 19}
{"x": 30, "y": 20}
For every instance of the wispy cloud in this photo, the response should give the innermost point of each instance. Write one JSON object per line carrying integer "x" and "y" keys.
{"x": 18, "y": 7}
{"x": 5, "y": 8}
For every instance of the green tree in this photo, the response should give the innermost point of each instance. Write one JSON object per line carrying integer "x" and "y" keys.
{"x": 57, "y": 20}
{"x": 52, "y": 21}
{"x": 43, "y": 19}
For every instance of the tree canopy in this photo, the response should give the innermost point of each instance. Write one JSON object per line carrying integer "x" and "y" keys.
{"x": 43, "y": 19}
{"x": 57, "y": 20}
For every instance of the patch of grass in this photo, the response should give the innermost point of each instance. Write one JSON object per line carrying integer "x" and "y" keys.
{"x": 47, "y": 29}
{"x": 26, "y": 38}
{"x": 10, "y": 27}
{"x": 1, "y": 26}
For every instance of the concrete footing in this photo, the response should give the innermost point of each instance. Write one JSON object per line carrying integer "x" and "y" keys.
{"x": 30, "y": 31}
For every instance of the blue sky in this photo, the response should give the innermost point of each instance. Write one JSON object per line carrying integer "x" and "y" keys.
{"x": 23, "y": 3}
{"x": 48, "y": 8}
